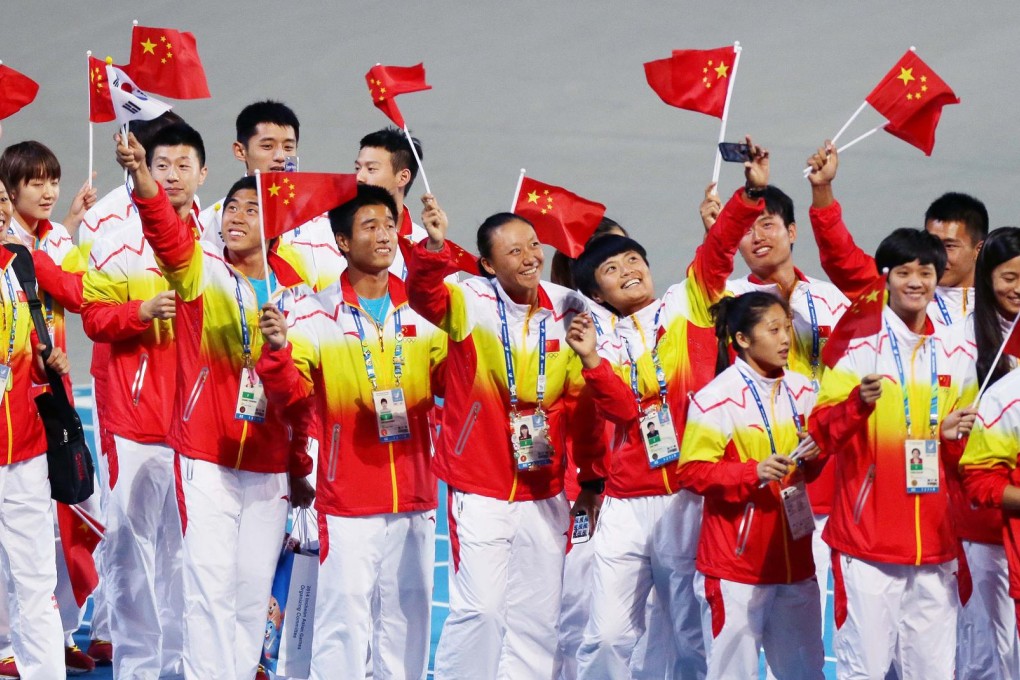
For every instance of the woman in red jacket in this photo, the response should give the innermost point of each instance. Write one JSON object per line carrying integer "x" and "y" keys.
{"x": 742, "y": 449}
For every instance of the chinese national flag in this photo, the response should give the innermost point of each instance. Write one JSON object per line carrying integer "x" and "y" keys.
{"x": 863, "y": 318}
{"x": 561, "y": 218}
{"x": 696, "y": 80}
{"x": 289, "y": 199}
{"x": 911, "y": 97}
{"x": 165, "y": 61}
{"x": 100, "y": 104}
{"x": 461, "y": 261}
{"x": 16, "y": 91}
{"x": 79, "y": 541}
{"x": 386, "y": 82}
{"x": 1011, "y": 345}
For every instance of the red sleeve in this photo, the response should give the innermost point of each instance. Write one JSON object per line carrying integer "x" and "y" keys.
{"x": 113, "y": 323}
{"x": 613, "y": 398}
{"x": 726, "y": 480}
{"x": 985, "y": 486}
{"x": 171, "y": 239}
{"x": 283, "y": 382}
{"x": 951, "y": 452}
{"x": 426, "y": 291}
{"x": 713, "y": 261}
{"x": 586, "y": 435}
{"x": 301, "y": 417}
{"x": 833, "y": 426}
{"x": 64, "y": 287}
{"x": 848, "y": 267}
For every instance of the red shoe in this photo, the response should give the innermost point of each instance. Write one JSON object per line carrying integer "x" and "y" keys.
{"x": 261, "y": 673}
{"x": 101, "y": 651}
{"x": 77, "y": 662}
{"x": 9, "y": 669}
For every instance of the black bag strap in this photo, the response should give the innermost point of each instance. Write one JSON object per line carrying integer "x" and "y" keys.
{"x": 24, "y": 270}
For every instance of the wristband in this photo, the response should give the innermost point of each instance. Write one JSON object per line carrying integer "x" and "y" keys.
{"x": 596, "y": 485}
{"x": 754, "y": 193}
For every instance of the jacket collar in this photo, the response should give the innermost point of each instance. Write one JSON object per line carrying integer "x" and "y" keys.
{"x": 395, "y": 287}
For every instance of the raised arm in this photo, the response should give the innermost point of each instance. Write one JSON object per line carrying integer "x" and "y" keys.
{"x": 848, "y": 267}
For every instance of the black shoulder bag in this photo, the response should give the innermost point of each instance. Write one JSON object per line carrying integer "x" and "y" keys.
{"x": 70, "y": 462}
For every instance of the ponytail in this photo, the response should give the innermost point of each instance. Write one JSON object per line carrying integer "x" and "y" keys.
{"x": 739, "y": 314}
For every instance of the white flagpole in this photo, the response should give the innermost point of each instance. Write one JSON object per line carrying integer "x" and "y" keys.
{"x": 421, "y": 168}
{"x": 262, "y": 232}
{"x": 88, "y": 521}
{"x": 807, "y": 171}
{"x": 737, "y": 49}
{"x": 847, "y": 124}
{"x": 517, "y": 191}
{"x": 88, "y": 84}
{"x": 995, "y": 362}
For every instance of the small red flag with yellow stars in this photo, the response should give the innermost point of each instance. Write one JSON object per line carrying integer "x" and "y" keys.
{"x": 165, "y": 61}
{"x": 289, "y": 199}
{"x": 100, "y": 103}
{"x": 386, "y": 82}
{"x": 911, "y": 97}
{"x": 16, "y": 91}
{"x": 79, "y": 539}
{"x": 696, "y": 80}
{"x": 862, "y": 319}
{"x": 561, "y": 218}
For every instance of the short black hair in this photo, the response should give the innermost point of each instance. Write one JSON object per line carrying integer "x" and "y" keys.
{"x": 595, "y": 253}
{"x": 560, "y": 272}
{"x": 341, "y": 218}
{"x": 267, "y": 111}
{"x": 247, "y": 182}
{"x": 178, "y": 134}
{"x": 906, "y": 245}
{"x": 394, "y": 140}
{"x": 957, "y": 207}
{"x": 143, "y": 130}
{"x": 26, "y": 161}
{"x": 779, "y": 204}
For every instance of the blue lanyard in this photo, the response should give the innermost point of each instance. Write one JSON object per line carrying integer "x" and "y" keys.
{"x": 933, "y": 413}
{"x": 816, "y": 339}
{"x": 660, "y": 374}
{"x": 509, "y": 359}
{"x": 765, "y": 416}
{"x": 366, "y": 352}
{"x": 14, "y": 317}
{"x": 598, "y": 326}
{"x": 245, "y": 332}
{"x": 943, "y": 309}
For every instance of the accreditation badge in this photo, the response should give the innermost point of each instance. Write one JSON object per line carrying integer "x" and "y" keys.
{"x": 921, "y": 457}
{"x": 797, "y": 507}
{"x": 659, "y": 436}
{"x": 391, "y": 414}
{"x": 581, "y": 531}
{"x": 251, "y": 398}
{"x": 529, "y": 434}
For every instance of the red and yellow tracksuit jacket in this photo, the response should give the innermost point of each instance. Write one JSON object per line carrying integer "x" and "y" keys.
{"x": 873, "y": 517}
{"x": 475, "y": 454}
{"x": 989, "y": 463}
{"x": 21, "y": 432}
{"x": 687, "y": 349}
{"x": 745, "y": 536}
{"x": 359, "y": 475}
{"x": 141, "y": 368}
{"x": 208, "y": 334}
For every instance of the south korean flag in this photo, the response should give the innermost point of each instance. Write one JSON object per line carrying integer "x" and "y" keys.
{"x": 129, "y": 102}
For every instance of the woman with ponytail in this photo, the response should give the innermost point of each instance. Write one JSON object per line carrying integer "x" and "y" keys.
{"x": 746, "y": 450}
{"x": 987, "y": 643}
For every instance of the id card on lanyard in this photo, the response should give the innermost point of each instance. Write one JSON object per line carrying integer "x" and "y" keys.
{"x": 529, "y": 430}
{"x": 793, "y": 493}
{"x": 920, "y": 456}
{"x": 251, "y": 395}
{"x": 816, "y": 340}
{"x": 656, "y": 424}
{"x": 390, "y": 407}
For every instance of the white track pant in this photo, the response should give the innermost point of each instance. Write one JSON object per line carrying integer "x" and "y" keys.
{"x": 575, "y": 606}
{"x": 987, "y": 647}
{"x": 895, "y": 613}
{"x": 100, "y": 627}
{"x": 740, "y": 620}
{"x": 27, "y": 552}
{"x": 143, "y": 563}
{"x": 643, "y": 543}
{"x": 234, "y": 523}
{"x": 383, "y": 559}
{"x": 504, "y": 588}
